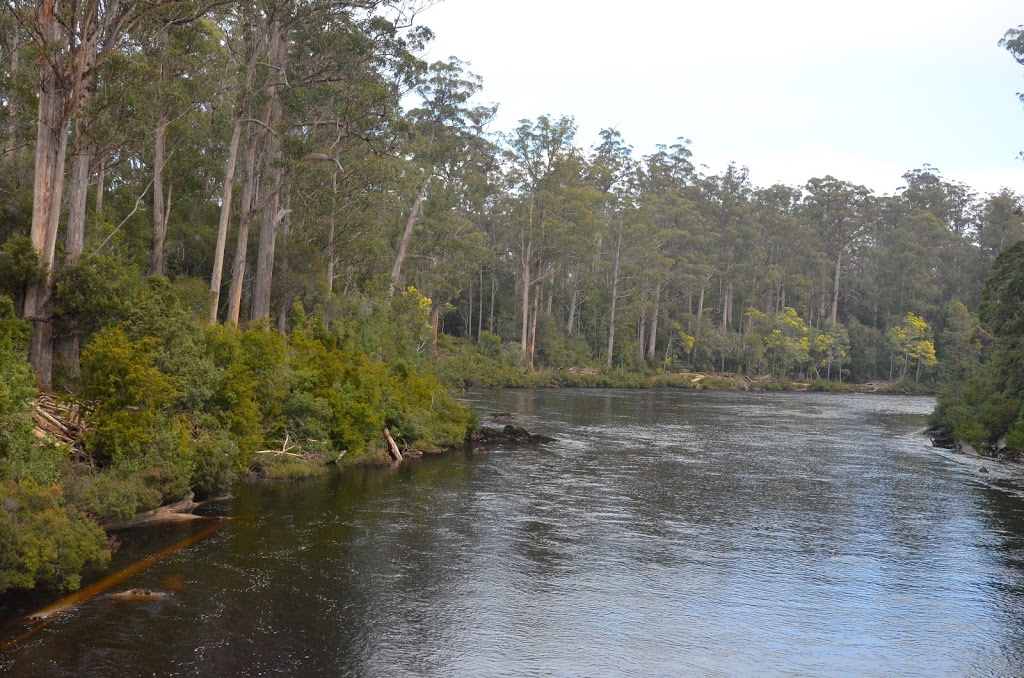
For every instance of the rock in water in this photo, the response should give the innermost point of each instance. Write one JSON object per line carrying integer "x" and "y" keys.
{"x": 508, "y": 435}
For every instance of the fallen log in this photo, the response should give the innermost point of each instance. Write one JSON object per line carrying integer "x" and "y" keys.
{"x": 177, "y": 512}
{"x": 393, "y": 451}
{"x": 280, "y": 452}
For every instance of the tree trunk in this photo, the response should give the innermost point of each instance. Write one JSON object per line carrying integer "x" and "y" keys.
{"x": 225, "y": 219}
{"x": 47, "y": 190}
{"x": 68, "y": 346}
{"x": 331, "y": 259}
{"x": 480, "y": 314}
{"x": 435, "y": 321}
{"x": 727, "y": 312}
{"x": 393, "y": 450}
{"x": 78, "y": 192}
{"x": 615, "y": 298}
{"x": 156, "y": 263}
{"x": 533, "y": 323}
{"x": 469, "y": 316}
{"x": 282, "y": 313}
{"x": 81, "y": 166}
{"x": 273, "y": 115}
{"x": 652, "y": 337}
{"x": 266, "y": 250}
{"x": 641, "y": 336}
{"x": 242, "y": 245}
{"x": 526, "y": 296}
{"x": 101, "y": 178}
{"x": 835, "y": 290}
{"x": 696, "y": 330}
{"x": 490, "y": 316}
{"x": 11, "y": 142}
{"x": 403, "y": 244}
{"x": 573, "y": 295}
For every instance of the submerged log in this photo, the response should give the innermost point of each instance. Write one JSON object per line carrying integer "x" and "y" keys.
{"x": 141, "y": 594}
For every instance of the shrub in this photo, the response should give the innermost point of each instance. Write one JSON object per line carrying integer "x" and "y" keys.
{"x": 17, "y": 384}
{"x": 217, "y": 464}
{"x": 43, "y": 540}
{"x": 133, "y": 397}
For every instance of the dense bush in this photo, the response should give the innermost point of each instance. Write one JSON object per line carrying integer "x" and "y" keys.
{"x": 43, "y": 539}
{"x": 982, "y": 400}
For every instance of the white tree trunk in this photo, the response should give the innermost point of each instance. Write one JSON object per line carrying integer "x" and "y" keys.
{"x": 225, "y": 219}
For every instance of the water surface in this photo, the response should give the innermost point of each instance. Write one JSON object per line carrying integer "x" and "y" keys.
{"x": 665, "y": 533}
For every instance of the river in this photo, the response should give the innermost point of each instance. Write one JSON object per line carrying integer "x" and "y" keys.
{"x": 664, "y": 533}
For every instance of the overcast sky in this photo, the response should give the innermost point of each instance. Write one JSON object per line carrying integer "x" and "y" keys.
{"x": 792, "y": 89}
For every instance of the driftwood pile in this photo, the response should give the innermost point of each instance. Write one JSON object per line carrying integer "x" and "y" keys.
{"x": 63, "y": 421}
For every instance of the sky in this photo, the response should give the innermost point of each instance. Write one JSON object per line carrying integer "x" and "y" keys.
{"x": 793, "y": 89}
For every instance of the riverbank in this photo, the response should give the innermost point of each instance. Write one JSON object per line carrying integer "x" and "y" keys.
{"x": 591, "y": 377}
{"x": 985, "y": 465}
{"x": 651, "y": 499}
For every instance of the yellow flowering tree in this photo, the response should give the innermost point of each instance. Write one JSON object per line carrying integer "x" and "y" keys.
{"x": 785, "y": 338}
{"x": 911, "y": 339}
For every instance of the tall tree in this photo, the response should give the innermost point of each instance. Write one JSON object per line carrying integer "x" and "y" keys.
{"x": 840, "y": 212}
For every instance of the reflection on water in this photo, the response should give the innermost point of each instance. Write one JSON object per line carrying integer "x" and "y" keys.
{"x": 665, "y": 533}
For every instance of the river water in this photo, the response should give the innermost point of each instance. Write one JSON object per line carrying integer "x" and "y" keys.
{"x": 664, "y": 533}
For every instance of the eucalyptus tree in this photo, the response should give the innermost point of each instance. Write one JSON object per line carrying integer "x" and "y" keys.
{"x": 840, "y": 213}
{"x": 909, "y": 266}
{"x": 1001, "y": 222}
{"x": 315, "y": 55}
{"x": 786, "y": 248}
{"x": 951, "y": 202}
{"x": 184, "y": 68}
{"x": 663, "y": 178}
{"x": 615, "y": 173}
{"x": 538, "y": 155}
{"x": 72, "y": 40}
{"x": 723, "y": 245}
{"x": 345, "y": 129}
{"x": 448, "y": 138}
{"x": 243, "y": 41}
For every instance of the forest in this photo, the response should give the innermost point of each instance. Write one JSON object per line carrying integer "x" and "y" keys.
{"x": 232, "y": 227}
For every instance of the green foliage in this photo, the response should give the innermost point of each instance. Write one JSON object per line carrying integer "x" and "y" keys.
{"x": 179, "y": 405}
{"x": 17, "y": 385}
{"x": 273, "y": 467}
{"x": 19, "y": 265}
{"x": 111, "y": 497}
{"x": 829, "y": 386}
{"x": 133, "y": 417}
{"x": 982, "y": 402}
{"x": 959, "y": 344}
{"x": 95, "y": 292}
{"x": 43, "y": 540}
{"x": 218, "y": 462}
{"x": 869, "y": 352}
